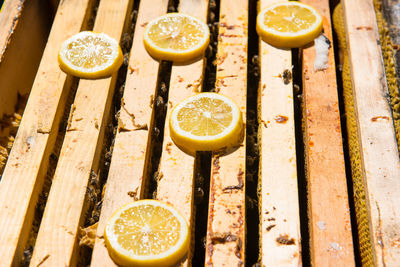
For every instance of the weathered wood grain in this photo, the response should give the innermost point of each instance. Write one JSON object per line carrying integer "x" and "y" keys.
{"x": 176, "y": 170}
{"x": 19, "y": 59}
{"x": 57, "y": 240}
{"x": 379, "y": 152}
{"x": 279, "y": 203}
{"x": 227, "y": 209}
{"x": 23, "y": 176}
{"x": 130, "y": 163}
{"x": 329, "y": 216}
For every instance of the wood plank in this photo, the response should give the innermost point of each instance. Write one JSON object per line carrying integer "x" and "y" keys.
{"x": 227, "y": 209}
{"x": 130, "y": 160}
{"x": 329, "y": 216}
{"x": 23, "y": 176}
{"x": 9, "y": 17}
{"x": 176, "y": 170}
{"x": 279, "y": 213}
{"x": 20, "y": 21}
{"x": 56, "y": 243}
{"x": 10, "y": 13}
{"x": 379, "y": 153}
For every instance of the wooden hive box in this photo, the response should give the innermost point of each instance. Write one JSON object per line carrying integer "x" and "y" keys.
{"x": 86, "y": 147}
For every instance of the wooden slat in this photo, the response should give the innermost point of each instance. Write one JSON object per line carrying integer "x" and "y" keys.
{"x": 279, "y": 203}
{"x": 20, "y": 21}
{"x": 56, "y": 244}
{"x": 329, "y": 215}
{"x": 10, "y": 14}
{"x": 176, "y": 170}
{"x": 227, "y": 209}
{"x": 379, "y": 153}
{"x": 9, "y": 18}
{"x": 23, "y": 176}
{"x": 130, "y": 163}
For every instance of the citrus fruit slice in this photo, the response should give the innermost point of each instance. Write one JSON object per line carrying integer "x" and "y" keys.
{"x": 90, "y": 55}
{"x": 289, "y": 24}
{"x": 206, "y": 122}
{"x": 176, "y": 37}
{"x": 147, "y": 233}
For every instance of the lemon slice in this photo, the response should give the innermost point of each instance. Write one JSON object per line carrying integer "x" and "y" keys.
{"x": 90, "y": 55}
{"x": 289, "y": 24}
{"x": 206, "y": 122}
{"x": 147, "y": 233}
{"x": 176, "y": 37}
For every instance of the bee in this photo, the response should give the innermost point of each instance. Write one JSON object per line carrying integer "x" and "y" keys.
{"x": 287, "y": 76}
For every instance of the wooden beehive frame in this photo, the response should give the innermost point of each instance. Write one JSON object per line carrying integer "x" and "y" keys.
{"x": 279, "y": 207}
{"x": 20, "y": 21}
{"x": 380, "y": 155}
{"x": 280, "y": 238}
{"x": 329, "y": 217}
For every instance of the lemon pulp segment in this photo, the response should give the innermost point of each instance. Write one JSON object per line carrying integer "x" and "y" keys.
{"x": 146, "y": 230}
{"x": 89, "y": 52}
{"x": 176, "y": 33}
{"x": 291, "y": 18}
{"x": 205, "y": 117}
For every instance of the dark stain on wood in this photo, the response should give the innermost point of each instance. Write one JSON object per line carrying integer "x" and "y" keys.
{"x": 285, "y": 240}
{"x": 168, "y": 147}
{"x": 239, "y": 246}
{"x": 240, "y": 184}
{"x": 228, "y": 27}
{"x": 379, "y": 235}
{"x": 379, "y": 118}
{"x": 281, "y": 119}
{"x": 270, "y": 227}
{"x": 367, "y": 28}
{"x": 216, "y": 166}
{"x": 221, "y": 238}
